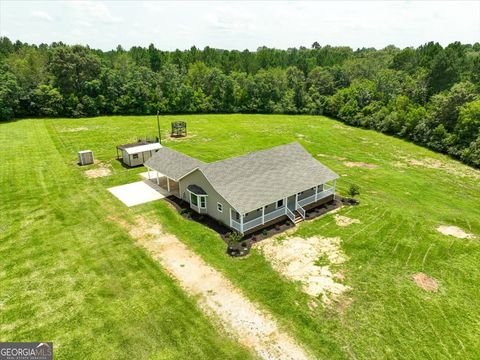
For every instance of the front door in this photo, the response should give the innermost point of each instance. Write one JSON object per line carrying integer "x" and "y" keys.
{"x": 291, "y": 203}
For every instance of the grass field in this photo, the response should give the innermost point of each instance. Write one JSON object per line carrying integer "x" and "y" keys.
{"x": 70, "y": 275}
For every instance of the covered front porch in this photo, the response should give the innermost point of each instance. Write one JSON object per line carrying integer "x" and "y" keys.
{"x": 292, "y": 207}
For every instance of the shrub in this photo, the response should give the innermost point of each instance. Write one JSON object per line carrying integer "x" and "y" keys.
{"x": 354, "y": 190}
{"x": 234, "y": 237}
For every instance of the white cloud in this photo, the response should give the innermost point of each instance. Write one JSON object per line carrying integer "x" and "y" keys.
{"x": 83, "y": 23}
{"x": 96, "y": 10}
{"x": 241, "y": 24}
{"x": 41, "y": 15}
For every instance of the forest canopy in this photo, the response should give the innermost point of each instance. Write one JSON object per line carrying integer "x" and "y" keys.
{"x": 429, "y": 94}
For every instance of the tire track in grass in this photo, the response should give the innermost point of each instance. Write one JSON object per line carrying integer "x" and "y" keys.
{"x": 216, "y": 295}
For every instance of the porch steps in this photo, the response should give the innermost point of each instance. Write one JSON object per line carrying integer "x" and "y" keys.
{"x": 298, "y": 217}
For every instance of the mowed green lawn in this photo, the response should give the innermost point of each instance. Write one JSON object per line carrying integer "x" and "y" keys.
{"x": 71, "y": 276}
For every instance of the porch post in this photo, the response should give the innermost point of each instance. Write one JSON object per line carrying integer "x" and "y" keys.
{"x": 148, "y": 172}
{"x": 230, "y": 213}
{"x": 158, "y": 181}
{"x": 263, "y": 215}
{"x": 316, "y": 193}
{"x": 296, "y": 200}
{"x": 241, "y": 223}
{"x": 168, "y": 184}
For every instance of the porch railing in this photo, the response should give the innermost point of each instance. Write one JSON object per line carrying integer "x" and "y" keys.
{"x": 236, "y": 225}
{"x": 301, "y": 211}
{"x": 252, "y": 223}
{"x": 290, "y": 214}
{"x": 280, "y": 212}
{"x": 274, "y": 214}
{"x": 259, "y": 220}
{"x": 315, "y": 197}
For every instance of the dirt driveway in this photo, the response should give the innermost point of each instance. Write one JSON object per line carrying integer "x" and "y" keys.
{"x": 216, "y": 295}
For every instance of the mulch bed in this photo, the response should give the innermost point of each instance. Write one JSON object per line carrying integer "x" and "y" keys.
{"x": 242, "y": 247}
{"x": 183, "y": 209}
{"x": 329, "y": 206}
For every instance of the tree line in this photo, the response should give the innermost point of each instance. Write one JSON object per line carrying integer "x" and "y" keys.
{"x": 429, "y": 94}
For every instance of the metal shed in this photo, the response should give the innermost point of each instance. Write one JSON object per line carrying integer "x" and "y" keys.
{"x": 136, "y": 154}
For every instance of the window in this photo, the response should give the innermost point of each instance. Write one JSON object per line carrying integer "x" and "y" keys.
{"x": 203, "y": 202}
{"x": 135, "y": 156}
{"x": 219, "y": 207}
{"x": 193, "y": 199}
{"x": 279, "y": 203}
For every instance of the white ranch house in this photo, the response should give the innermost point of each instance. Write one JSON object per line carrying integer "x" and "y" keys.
{"x": 247, "y": 192}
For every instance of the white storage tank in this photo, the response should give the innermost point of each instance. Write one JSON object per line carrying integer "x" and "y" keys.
{"x": 85, "y": 157}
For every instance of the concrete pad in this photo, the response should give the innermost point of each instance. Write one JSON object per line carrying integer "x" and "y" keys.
{"x": 139, "y": 192}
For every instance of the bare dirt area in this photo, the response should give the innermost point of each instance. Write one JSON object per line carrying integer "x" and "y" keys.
{"x": 454, "y": 231}
{"x": 344, "y": 221}
{"x": 451, "y": 168}
{"x": 179, "y": 138}
{"x": 101, "y": 171}
{"x": 360, "y": 164}
{"x": 297, "y": 259}
{"x": 216, "y": 295}
{"x": 340, "y": 127}
{"x": 77, "y": 129}
{"x": 425, "y": 282}
{"x": 339, "y": 158}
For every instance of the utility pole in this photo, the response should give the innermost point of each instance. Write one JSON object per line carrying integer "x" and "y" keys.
{"x": 158, "y": 127}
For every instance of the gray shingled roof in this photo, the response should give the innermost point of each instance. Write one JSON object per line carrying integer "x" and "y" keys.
{"x": 253, "y": 180}
{"x": 172, "y": 163}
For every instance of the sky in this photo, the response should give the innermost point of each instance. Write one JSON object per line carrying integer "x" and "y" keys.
{"x": 240, "y": 25}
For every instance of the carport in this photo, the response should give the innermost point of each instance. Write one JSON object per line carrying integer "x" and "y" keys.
{"x": 162, "y": 181}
